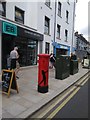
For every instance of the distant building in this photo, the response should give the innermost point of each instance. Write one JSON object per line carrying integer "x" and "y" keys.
{"x": 36, "y": 27}
{"x": 82, "y": 46}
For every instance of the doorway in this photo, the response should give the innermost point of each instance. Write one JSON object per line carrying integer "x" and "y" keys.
{"x": 7, "y": 46}
{"x": 61, "y": 52}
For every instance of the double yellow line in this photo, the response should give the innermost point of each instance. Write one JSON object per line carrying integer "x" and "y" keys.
{"x": 65, "y": 98}
{"x": 64, "y": 102}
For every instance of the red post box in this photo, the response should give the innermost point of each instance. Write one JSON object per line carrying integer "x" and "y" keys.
{"x": 43, "y": 70}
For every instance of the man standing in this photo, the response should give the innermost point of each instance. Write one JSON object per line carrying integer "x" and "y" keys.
{"x": 14, "y": 57}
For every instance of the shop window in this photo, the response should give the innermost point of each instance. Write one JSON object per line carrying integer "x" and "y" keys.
{"x": 66, "y": 35}
{"x": 47, "y": 2}
{"x": 47, "y": 46}
{"x": 19, "y": 15}
{"x": 67, "y": 15}
{"x": 3, "y": 9}
{"x": 59, "y": 9}
{"x": 47, "y": 22}
{"x": 31, "y": 52}
{"x": 40, "y": 46}
{"x": 58, "y": 31}
{"x": 27, "y": 51}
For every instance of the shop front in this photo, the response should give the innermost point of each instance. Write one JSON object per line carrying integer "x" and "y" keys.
{"x": 60, "y": 49}
{"x": 26, "y": 40}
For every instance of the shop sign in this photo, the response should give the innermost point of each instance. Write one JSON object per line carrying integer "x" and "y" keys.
{"x": 63, "y": 47}
{"x": 9, "y": 28}
{"x": 30, "y": 34}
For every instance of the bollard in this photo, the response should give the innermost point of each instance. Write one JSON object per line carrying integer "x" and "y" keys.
{"x": 43, "y": 70}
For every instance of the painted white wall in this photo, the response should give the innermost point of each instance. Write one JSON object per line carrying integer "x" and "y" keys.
{"x": 32, "y": 14}
{"x": 64, "y": 25}
{"x": 30, "y": 10}
{"x": 43, "y": 11}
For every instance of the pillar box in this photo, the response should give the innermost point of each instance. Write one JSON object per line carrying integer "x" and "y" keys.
{"x": 43, "y": 70}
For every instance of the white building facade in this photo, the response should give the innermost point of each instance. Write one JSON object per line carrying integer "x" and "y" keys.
{"x": 59, "y": 16}
{"x": 40, "y": 26}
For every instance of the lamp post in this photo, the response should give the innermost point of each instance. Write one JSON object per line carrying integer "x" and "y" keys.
{"x": 54, "y": 26}
{"x": 75, "y": 1}
{"x": 73, "y": 25}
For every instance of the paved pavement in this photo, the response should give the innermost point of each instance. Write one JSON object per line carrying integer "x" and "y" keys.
{"x": 28, "y": 100}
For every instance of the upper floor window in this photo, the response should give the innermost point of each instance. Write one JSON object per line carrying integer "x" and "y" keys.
{"x": 47, "y": 2}
{"x": 67, "y": 15}
{"x": 47, "y": 24}
{"x": 66, "y": 35}
{"x": 68, "y": 1}
{"x": 47, "y": 47}
{"x": 19, "y": 15}
{"x": 58, "y": 31}
{"x": 59, "y": 8}
{"x": 3, "y": 8}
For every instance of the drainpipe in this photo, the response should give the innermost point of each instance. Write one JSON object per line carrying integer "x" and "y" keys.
{"x": 73, "y": 25}
{"x": 54, "y": 51}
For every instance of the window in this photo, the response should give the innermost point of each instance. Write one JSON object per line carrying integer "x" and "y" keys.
{"x": 68, "y": 1}
{"x": 3, "y": 9}
{"x": 66, "y": 35}
{"x": 47, "y": 46}
{"x": 58, "y": 31}
{"x": 47, "y": 3}
{"x": 67, "y": 14}
{"x": 47, "y": 22}
{"x": 59, "y": 8}
{"x": 19, "y": 15}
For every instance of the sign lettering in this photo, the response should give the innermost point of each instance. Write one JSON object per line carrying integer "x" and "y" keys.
{"x": 9, "y": 81}
{"x": 9, "y": 28}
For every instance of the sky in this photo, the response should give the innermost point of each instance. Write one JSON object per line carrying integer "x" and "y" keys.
{"x": 81, "y": 19}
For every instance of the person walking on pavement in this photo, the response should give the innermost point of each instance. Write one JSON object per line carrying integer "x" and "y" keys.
{"x": 73, "y": 56}
{"x": 52, "y": 60}
{"x": 14, "y": 58}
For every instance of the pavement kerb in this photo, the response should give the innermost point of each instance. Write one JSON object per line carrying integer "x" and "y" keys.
{"x": 40, "y": 105}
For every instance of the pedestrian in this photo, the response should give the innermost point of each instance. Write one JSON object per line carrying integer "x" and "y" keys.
{"x": 85, "y": 57}
{"x": 14, "y": 59}
{"x": 52, "y": 60}
{"x": 73, "y": 56}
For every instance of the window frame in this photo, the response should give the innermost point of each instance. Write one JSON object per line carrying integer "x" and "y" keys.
{"x": 48, "y": 3}
{"x": 66, "y": 35}
{"x": 59, "y": 8}
{"x": 67, "y": 16}
{"x": 58, "y": 31}
{"x": 47, "y": 25}
{"x": 3, "y": 9}
{"x": 47, "y": 47}
{"x": 68, "y": 2}
{"x": 21, "y": 13}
